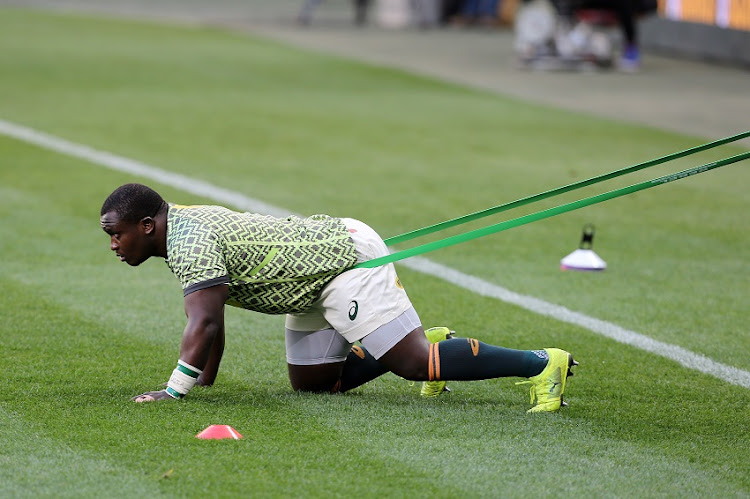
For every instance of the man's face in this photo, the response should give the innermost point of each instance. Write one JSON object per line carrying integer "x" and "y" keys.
{"x": 130, "y": 241}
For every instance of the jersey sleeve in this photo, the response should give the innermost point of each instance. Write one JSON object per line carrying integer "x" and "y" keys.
{"x": 196, "y": 257}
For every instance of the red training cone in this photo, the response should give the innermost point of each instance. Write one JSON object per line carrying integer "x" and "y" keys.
{"x": 219, "y": 431}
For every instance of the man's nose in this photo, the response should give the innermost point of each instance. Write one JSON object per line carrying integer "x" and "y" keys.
{"x": 113, "y": 244}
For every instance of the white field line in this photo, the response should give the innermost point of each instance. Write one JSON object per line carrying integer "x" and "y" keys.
{"x": 204, "y": 189}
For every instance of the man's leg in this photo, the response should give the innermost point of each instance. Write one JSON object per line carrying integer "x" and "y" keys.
{"x": 415, "y": 358}
{"x": 314, "y": 378}
{"x": 323, "y": 361}
{"x": 402, "y": 347}
{"x": 359, "y": 368}
{"x": 435, "y": 388}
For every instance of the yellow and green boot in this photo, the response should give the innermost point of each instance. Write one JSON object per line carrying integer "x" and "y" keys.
{"x": 548, "y": 386}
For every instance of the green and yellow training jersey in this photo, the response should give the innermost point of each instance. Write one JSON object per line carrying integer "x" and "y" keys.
{"x": 272, "y": 265}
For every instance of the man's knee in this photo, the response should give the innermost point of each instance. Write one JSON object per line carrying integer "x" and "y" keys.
{"x": 411, "y": 369}
{"x": 409, "y": 358}
{"x": 315, "y": 378}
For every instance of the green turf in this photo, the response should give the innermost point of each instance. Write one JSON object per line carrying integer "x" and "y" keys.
{"x": 82, "y": 333}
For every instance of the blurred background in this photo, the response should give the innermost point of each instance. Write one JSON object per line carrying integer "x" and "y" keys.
{"x": 690, "y": 57}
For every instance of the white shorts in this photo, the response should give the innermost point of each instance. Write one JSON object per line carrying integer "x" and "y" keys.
{"x": 358, "y": 301}
{"x": 308, "y": 348}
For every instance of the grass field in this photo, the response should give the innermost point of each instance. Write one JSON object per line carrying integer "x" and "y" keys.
{"x": 81, "y": 333}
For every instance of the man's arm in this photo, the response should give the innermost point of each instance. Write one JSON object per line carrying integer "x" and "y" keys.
{"x": 205, "y": 314}
{"x": 208, "y": 376}
{"x": 205, "y": 328}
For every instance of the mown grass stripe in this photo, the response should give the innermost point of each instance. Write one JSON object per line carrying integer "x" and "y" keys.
{"x": 675, "y": 353}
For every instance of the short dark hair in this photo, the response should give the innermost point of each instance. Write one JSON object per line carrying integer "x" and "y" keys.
{"x": 133, "y": 202}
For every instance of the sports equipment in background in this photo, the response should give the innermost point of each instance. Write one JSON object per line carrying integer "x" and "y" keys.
{"x": 584, "y": 257}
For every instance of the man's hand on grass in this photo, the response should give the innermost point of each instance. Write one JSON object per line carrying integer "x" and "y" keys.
{"x": 153, "y": 396}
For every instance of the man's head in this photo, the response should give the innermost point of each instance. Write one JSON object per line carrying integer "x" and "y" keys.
{"x": 134, "y": 216}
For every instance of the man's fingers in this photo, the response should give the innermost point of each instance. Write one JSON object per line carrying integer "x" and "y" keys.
{"x": 152, "y": 396}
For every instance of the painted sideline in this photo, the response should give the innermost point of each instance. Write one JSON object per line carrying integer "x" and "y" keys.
{"x": 675, "y": 353}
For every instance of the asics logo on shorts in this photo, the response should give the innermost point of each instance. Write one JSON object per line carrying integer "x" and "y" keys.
{"x": 353, "y": 309}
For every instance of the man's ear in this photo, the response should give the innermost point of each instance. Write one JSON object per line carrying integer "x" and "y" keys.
{"x": 148, "y": 225}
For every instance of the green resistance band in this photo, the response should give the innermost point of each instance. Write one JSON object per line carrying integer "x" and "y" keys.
{"x": 540, "y": 215}
{"x": 560, "y": 190}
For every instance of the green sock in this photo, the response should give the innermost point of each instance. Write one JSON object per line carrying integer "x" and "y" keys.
{"x": 469, "y": 359}
{"x": 359, "y": 368}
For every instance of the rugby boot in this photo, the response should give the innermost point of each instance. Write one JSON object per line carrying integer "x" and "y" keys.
{"x": 435, "y": 388}
{"x": 547, "y": 387}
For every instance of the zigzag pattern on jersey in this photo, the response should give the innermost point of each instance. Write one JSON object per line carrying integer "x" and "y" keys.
{"x": 274, "y": 265}
{"x": 193, "y": 251}
{"x": 291, "y": 297}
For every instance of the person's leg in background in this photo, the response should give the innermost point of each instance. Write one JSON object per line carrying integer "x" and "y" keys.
{"x": 450, "y": 10}
{"x": 625, "y": 11}
{"x": 306, "y": 12}
{"x": 631, "y": 55}
{"x": 488, "y": 12}
{"x": 360, "y": 11}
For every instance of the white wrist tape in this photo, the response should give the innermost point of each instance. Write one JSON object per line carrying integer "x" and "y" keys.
{"x": 183, "y": 379}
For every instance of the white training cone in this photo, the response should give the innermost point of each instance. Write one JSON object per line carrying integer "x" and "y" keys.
{"x": 584, "y": 257}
